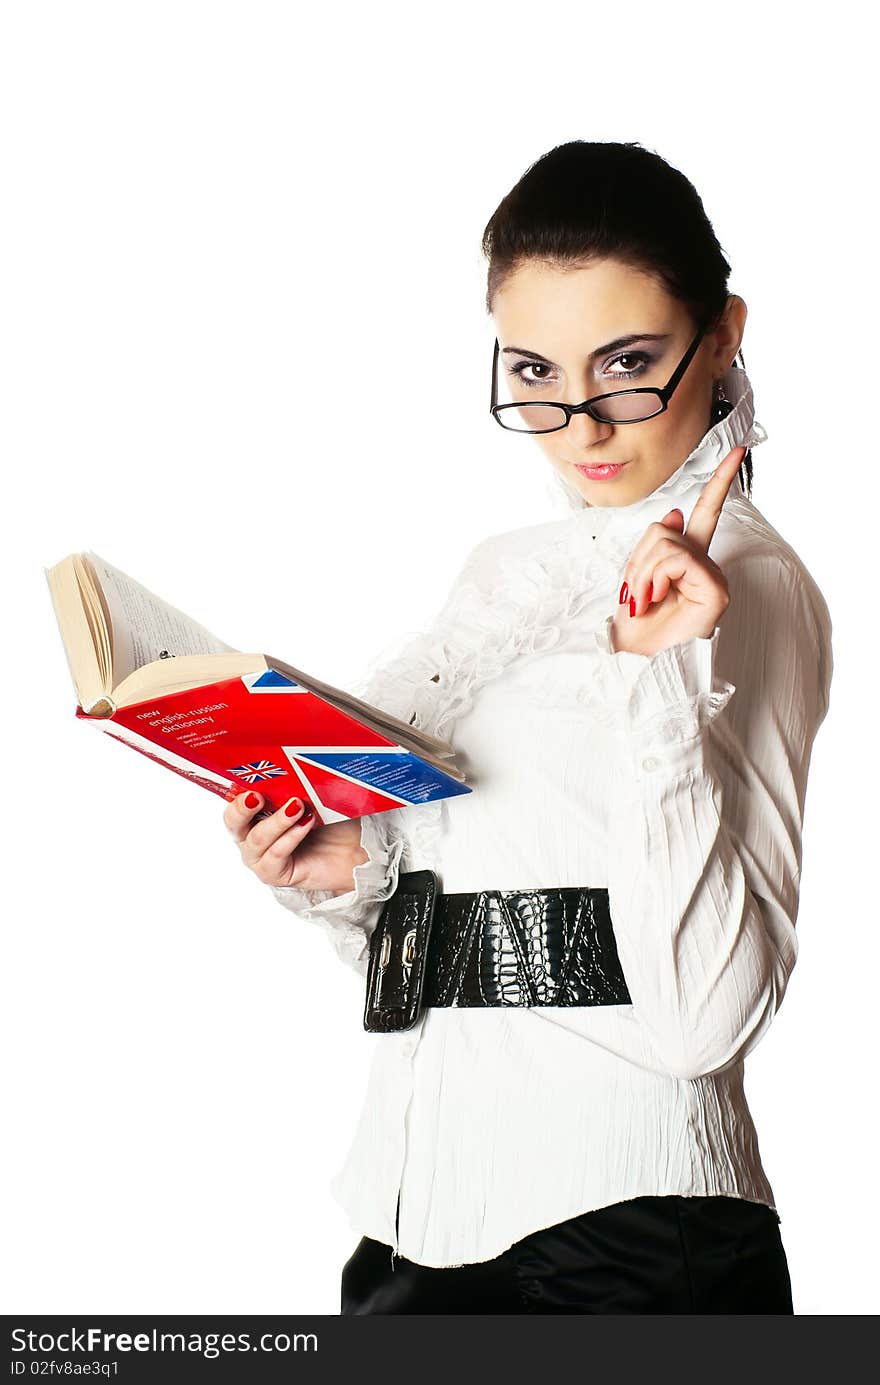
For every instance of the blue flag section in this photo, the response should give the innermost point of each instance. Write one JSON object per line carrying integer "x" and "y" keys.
{"x": 393, "y": 772}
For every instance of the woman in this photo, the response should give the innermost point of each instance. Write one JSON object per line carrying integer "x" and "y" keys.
{"x": 636, "y": 720}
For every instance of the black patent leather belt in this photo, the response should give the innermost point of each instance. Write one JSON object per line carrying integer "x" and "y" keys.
{"x": 492, "y": 947}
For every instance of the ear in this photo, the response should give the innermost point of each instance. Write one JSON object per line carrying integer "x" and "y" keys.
{"x": 728, "y": 335}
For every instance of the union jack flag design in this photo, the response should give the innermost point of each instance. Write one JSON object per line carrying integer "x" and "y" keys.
{"x": 256, "y": 771}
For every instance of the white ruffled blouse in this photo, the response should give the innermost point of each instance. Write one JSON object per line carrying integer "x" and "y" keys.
{"x": 675, "y": 780}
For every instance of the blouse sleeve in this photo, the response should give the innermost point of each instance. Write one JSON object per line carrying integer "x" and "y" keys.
{"x": 707, "y": 809}
{"x": 349, "y": 919}
{"x": 396, "y": 682}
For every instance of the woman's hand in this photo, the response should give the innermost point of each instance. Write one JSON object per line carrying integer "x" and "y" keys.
{"x": 285, "y": 850}
{"x": 674, "y": 590}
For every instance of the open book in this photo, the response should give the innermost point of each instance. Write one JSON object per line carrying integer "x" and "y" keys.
{"x": 151, "y": 677}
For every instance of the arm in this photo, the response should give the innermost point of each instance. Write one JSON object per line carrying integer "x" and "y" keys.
{"x": 706, "y": 813}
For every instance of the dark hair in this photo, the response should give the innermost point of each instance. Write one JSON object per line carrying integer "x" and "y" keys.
{"x": 585, "y": 201}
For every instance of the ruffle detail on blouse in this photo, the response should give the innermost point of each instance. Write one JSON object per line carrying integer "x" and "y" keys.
{"x": 504, "y": 607}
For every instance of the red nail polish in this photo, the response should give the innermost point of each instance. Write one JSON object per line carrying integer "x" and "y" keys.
{"x": 650, "y": 591}
{"x": 293, "y": 808}
{"x": 251, "y": 800}
{"x": 624, "y": 591}
{"x": 632, "y": 605}
{"x": 307, "y": 813}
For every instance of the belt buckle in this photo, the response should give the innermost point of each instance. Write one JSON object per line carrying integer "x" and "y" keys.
{"x": 398, "y": 954}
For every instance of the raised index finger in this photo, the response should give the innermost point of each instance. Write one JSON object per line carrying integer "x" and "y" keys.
{"x": 704, "y": 516}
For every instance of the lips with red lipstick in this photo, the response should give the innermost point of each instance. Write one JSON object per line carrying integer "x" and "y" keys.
{"x": 604, "y": 471}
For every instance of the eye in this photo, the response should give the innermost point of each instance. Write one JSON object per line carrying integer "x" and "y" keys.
{"x": 642, "y": 361}
{"x": 634, "y": 363}
{"x": 517, "y": 371}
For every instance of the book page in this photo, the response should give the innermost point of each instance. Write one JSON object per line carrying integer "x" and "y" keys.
{"x": 143, "y": 627}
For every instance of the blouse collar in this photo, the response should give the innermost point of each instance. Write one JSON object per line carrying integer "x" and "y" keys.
{"x": 682, "y": 489}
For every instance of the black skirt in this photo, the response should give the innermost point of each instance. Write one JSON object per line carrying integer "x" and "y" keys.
{"x": 665, "y": 1254}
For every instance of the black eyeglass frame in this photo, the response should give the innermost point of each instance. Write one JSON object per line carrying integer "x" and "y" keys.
{"x": 664, "y": 394}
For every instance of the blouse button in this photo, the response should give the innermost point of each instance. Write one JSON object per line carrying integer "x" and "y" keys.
{"x": 650, "y": 763}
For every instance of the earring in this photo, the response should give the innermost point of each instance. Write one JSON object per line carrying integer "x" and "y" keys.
{"x": 721, "y": 405}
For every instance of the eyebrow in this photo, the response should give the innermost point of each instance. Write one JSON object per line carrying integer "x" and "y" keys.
{"x": 614, "y": 345}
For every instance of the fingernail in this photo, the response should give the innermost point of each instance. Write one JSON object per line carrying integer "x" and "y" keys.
{"x": 632, "y": 605}
{"x": 624, "y": 590}
{"x": 293, "y": 807}
{"x": 308, "y": 812}
{"x": 251, "y": 800}
{"x": 650, "y": 591}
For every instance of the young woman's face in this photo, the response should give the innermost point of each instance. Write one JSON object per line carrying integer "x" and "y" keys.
{"x": 567, "y": 318}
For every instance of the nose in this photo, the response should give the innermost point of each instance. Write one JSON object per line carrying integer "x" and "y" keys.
{"x": 586, "y": 431}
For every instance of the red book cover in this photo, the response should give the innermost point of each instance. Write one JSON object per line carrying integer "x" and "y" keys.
{"x": 265, "y": 731}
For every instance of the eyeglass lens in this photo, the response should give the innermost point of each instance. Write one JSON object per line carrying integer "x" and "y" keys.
{"x": 543, "y": 418}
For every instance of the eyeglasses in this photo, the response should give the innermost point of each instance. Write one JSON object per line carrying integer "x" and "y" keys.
{"x": 621, "y": 406}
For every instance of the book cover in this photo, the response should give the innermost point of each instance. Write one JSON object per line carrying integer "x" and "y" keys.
{"x": 265, "y": 731}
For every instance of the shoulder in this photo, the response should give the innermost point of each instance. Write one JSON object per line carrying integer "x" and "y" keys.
{"x": 777, "y": 610}
{"x": 749, "y": 549}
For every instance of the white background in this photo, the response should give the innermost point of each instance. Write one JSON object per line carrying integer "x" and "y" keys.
{"x": 240, "y": 255}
